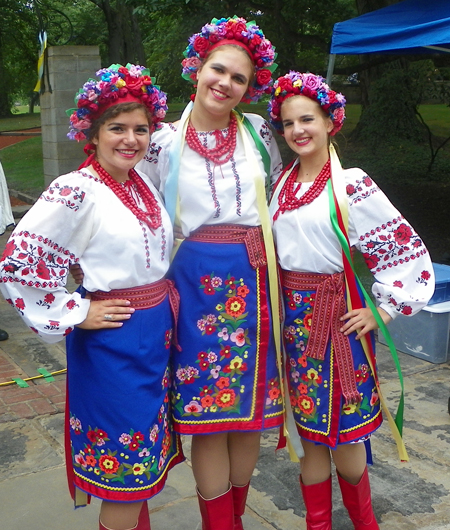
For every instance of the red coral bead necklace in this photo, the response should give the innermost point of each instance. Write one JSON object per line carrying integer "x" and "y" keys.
{"x": 152, "y": 217}
{"x": 287, "y": 199}
{"x": 225, "y": 145}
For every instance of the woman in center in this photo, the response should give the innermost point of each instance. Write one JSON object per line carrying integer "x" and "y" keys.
{"x": 214, "y": 167}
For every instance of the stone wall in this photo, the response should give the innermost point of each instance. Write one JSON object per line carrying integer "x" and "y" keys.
{"x": 69, "y": 68}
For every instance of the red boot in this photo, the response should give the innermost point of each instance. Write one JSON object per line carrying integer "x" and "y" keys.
{"x": 317, "y": 498}
{"x": 239, "y": 499}
{"x": 357, "y": 500}
{"x": 143, "y": 520}
{"x": 217, "y": 513}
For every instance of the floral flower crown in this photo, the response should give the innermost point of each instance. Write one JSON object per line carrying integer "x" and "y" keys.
{"x": 309, "y": 85}
{"x": 243, "y": 33}
{"x": 117, "y": 84}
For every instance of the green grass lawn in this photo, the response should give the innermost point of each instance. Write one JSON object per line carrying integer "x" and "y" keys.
{"x": 23, "y": 167}
{"x": 20, "y": 121}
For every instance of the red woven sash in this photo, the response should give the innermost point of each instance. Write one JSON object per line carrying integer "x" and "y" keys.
{"x": 145, "y": 297}
{"x": 230, "y": 233}
{"x": 329, "y": 306}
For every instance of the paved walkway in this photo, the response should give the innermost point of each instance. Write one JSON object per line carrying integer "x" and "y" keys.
{"x": 8, "y": 138}
{"x": 33, "y": 492}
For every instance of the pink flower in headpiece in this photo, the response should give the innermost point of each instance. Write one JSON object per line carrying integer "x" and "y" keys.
{"x": 79, "y": 124}
{"x": 267, "y": 51}
{"x": 135, "y": 70}
{"x": 338, "y": 117}
{"x": 311, "y": 81}
{"x": 160, "y": 113}
{"x": 91, "y": 94}
{"x": 153, "y": 98}
{"x": 191, "y": 62}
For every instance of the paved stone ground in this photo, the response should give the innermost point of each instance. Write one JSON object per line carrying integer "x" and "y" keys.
{"x": 33, "y": 493}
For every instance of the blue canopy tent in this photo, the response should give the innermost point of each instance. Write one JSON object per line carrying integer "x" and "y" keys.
{"x": 411, "y": 26}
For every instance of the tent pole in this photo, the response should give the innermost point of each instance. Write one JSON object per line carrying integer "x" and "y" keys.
{"x": 331, "y": 61}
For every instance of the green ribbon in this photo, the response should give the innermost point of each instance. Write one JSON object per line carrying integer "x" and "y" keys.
{"x": 346, "y": 250}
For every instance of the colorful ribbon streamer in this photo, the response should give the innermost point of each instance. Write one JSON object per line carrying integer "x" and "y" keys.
{"x": 40, "y": 65}
{"x": 339, "y": 216}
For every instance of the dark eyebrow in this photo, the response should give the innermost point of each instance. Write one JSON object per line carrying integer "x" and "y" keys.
{"x": 122, "y": 124}
{"x": 302, "y": 117}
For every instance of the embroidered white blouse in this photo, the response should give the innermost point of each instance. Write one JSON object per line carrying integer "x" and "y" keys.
{"x": 79, "y": 219}
{"x": 210, "y": 194}
{"x": 395, "y": 254}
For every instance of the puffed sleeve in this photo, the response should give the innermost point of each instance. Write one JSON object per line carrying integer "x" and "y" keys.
{"x": 154, "y": 165}
{"x": 35, "y": 264}
{"x": 393, "y": 251}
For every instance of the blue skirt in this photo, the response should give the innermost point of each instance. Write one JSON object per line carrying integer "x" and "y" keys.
{"x": 121, "y": 433}
{"x": 315, "y": 392}
{"x": 226, "y": 376}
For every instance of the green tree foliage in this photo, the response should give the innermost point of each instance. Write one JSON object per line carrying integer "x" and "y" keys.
{"x": 18, "y": 53}
{"x": 391, "y": 127}
{"x": 300, "y": 30}
{"x": 155, "y": 32}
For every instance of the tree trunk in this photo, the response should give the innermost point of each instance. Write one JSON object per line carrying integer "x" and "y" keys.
{"x": 124, "y": 34}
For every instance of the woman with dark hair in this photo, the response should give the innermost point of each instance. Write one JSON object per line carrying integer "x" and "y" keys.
{"x": 120, "y": 442}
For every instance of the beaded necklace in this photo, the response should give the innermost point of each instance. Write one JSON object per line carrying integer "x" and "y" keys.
{"x": 225, "y": 145}
{"x": 152, "y": 217}
{"x": 287, "y": 199}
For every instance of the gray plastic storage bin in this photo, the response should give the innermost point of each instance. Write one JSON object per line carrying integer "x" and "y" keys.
{"x": 425, "y": 335}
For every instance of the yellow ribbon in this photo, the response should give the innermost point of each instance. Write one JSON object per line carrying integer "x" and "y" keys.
{"x": 40, "y": 65}
{"x": 294, "y": 445}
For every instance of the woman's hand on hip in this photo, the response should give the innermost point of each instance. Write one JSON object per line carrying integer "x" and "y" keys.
{"x": 105, "y": 314}
{"x": 362, "y": 321}
{"x": 77, "y": 273}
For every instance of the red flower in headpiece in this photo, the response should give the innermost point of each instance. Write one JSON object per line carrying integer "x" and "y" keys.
{"x": 254, "y": 41}
{"x": 263, "y": 77}
{"x": 87, "y": 104}
{"x": 133, "y": 83}
{"x": 285, "y": 84}
{"x": 201, "y": 45}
